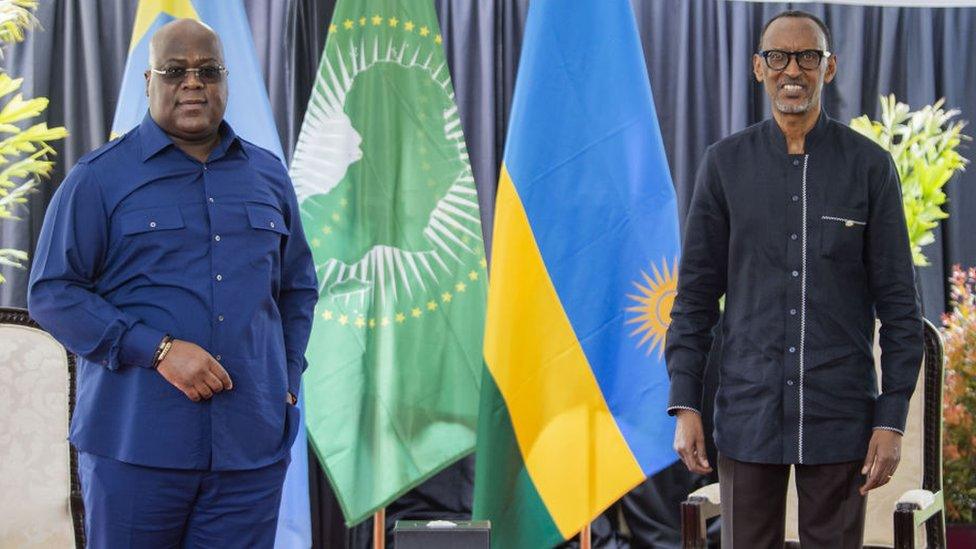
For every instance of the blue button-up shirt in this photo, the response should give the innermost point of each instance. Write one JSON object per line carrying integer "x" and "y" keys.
{"x": 141, "y": 240}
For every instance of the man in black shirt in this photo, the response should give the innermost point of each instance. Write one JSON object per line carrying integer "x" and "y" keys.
{"x": 798, "y": 221}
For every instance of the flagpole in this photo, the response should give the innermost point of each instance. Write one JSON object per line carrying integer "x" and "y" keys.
{"x": 585, "y": 537}
{"x": 379, "y": 529}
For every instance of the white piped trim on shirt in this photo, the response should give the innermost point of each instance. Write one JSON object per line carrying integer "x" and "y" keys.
{"x": 844, "y": 220}
{"x": 803, "y": 300}
{"x": 886, "y": 428}
{"x": 673, "y": 408}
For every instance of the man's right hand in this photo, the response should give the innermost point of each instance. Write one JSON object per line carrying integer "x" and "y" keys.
{"x": 689, "y": 442}
{"x": 192, "y": 370}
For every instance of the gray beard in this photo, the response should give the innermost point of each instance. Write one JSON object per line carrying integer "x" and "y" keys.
{"x": 793, "y": 109}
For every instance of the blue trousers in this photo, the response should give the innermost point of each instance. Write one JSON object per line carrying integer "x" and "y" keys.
{"x": 132, "y": 506}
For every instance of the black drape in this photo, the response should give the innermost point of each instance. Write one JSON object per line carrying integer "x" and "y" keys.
{"x": 698, "y": 58}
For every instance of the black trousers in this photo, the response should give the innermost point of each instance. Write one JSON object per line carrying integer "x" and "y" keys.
{"x": 831, "y": 511}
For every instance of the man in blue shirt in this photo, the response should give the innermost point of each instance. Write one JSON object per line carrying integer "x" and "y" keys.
{"x": 173, "y": 262}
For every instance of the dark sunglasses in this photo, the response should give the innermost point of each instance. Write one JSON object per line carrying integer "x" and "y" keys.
{"x": 210, "y": 74}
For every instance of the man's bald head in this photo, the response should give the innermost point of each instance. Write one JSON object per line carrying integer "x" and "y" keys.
{"x": 186, "y": 103}
{"x": 178, "y": 32}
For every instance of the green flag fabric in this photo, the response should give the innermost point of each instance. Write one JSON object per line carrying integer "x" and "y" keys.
{"x": 391, "y": 212}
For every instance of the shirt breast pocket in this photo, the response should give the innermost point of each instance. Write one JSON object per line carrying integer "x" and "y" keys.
{"x": 267, "y": 229}
{"x": 152, "y": 220}
{"x": 842, "y": 233}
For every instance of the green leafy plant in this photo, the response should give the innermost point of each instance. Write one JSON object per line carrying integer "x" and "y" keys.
{"x": 924, "y": 145}
{"x": 16, "y": 17}
{"x": 959, "y": 404}
{"x": 25, "y": 153}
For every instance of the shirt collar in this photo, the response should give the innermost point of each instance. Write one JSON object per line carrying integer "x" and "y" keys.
{"x": 813, "y": 137}
{"x": 153, "y": 139}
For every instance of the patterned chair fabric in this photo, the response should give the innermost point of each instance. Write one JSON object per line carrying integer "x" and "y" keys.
{"x": 40, "y": 503}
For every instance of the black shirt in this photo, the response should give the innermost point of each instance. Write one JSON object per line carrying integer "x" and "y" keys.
{"x": 808, "y": 249}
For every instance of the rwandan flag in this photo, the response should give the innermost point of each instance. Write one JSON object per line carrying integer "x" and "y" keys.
{"x": 249, "y": 112}
{"x": 582, "y": 281}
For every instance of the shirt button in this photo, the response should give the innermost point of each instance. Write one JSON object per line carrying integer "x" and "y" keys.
{"x": 220, "y": 318}
{"x": 217, "y": 357}
{"x": 152, "y": 224}
{"x": 792, "y": 349}
{"x": 219, "y": 278}
{"x": 794, "y": 273}
{"x": 793, "y": 311}
{"x": 217, "y": 238}
{"x": 795, "y": 198}
{"x": 793, "y": 236}
{"x": 210, "y": 199}
{"x": 272, "y": 224}
{"x": 789, "y": 382}
{"x": 796, "y": 161}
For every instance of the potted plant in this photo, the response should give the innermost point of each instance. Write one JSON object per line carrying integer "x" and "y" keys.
{"x": 959, "y": 407}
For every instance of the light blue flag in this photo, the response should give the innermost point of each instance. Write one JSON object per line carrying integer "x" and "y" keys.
{"x": 249, "y": 112}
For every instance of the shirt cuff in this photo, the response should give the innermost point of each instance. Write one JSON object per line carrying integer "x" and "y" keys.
{"x": 685, "y": 393}
{"x": 138, "y": 345}
{"x": 295, "y": 377}
{"x": 673, "y": 410}
{"x": 891, "y": 411}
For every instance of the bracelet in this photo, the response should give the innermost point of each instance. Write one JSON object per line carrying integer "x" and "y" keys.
{"x": 162, "y": 354}
{"x": 162, "y": 350}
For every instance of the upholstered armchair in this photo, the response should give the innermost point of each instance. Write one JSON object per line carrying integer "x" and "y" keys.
{"x": 40, "y": 498}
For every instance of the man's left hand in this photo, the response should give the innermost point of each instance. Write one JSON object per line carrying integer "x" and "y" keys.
{"x": 884, "y": 453}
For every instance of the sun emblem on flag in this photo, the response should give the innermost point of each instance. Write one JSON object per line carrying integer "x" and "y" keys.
{"x": 653, "y": 305}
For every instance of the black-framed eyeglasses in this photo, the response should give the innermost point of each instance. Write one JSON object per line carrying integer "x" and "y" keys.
{"x": 209, "y": 74}
{"x": 807, "y": 59}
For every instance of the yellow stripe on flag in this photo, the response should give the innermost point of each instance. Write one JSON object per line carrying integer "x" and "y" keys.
{"x": 570, "y": 443}
{"x": 149, "y": 10}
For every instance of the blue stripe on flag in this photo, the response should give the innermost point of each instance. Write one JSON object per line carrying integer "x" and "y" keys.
{"x": 591, "y": 172}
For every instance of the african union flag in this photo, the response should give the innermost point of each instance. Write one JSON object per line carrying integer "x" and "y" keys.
{"x": 582, "y": 281}
{"x": 391, "y": 212}
{"x": 249, "y": 112}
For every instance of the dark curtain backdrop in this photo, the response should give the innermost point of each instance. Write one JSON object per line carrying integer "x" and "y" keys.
{"x": 698, "y": 58}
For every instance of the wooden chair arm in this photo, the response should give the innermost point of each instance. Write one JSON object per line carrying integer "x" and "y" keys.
{"x": 912, "y": 510}
{"x": 701, "y": 505}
